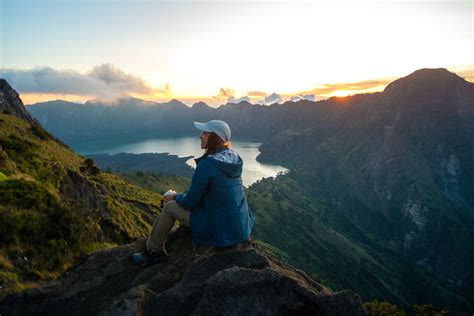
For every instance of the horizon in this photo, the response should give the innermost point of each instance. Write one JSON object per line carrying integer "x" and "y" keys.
{"x": 220, "y": 52}
{"x": 114, "y": 101}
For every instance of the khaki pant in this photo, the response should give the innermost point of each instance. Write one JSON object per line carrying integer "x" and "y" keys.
{"x": 164, "y": 223}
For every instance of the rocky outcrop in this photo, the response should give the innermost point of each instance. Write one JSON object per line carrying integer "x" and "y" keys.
{"x": 76, "y": 187}
{"x": 238, "y": 280}
{"x": 11, "y": 103}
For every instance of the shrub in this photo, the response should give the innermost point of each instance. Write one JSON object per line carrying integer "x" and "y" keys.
{"x": 377, "y": 308}
{"x": 427, "y": 310}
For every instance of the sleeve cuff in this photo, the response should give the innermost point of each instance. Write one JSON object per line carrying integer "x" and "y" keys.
{"x": 178, "y": 198}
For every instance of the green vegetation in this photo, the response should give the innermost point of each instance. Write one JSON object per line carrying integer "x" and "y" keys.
{"x": 157, "y": 163}
{"x": 428, "y": 310}
{"x": 157, "y": 182}
{"x": 377, "y": 308}
{"x": 325, "y": 232}
{"x": 57, "y": 207}
{"x": 378, "y": 199}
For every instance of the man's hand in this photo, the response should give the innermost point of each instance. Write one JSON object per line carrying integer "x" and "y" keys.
{"x": 169, "y": 197}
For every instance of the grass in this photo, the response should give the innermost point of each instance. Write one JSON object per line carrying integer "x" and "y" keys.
{"x": 53, "y": 229}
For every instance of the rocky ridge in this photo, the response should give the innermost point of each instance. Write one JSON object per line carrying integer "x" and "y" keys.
{"x": 10, "y": 102}
{"x": 237, "y": 280}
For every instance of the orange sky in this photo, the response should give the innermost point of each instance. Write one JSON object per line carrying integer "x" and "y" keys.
{"x": 216, "y": 51}
{"x": 321, "y": 91}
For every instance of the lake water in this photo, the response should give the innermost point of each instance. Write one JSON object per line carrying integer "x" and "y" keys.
{"x": 183, "y": 147}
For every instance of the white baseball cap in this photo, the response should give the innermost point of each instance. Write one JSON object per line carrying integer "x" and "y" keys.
{"x": 219, "y": 127}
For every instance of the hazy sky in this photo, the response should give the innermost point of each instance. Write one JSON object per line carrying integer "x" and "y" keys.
{"x": 213, "y": 50}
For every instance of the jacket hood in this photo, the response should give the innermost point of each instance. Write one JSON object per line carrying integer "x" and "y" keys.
{"x": 232, "y": 170}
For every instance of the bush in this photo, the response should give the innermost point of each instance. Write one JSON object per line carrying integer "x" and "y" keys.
{"x": 42, "y": 228}
{"x": 17, "y": 146}
{"x": 427, "y": 310}
{"x": 26, "y": 194}
{"x": 377, "y": 308}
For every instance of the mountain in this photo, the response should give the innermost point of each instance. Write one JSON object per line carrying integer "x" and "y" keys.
{"x": 62, "y": 221}
{"x": 243, "y": 280}
{"x": 10, "y": 102}
{"x": 73, "y": 122}
{"x": 56, "y": 206}
{"x": 392, "y": 176}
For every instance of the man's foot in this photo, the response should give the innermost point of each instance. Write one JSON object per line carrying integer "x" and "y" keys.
{"x": 147, "y": 257}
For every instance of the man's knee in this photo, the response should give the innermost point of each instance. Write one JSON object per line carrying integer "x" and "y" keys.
{"x": 169, "y": 207}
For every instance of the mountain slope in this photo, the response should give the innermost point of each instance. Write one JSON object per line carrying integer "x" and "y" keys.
{"x": 56, "y": 206}
{"x": 395, "y": 174}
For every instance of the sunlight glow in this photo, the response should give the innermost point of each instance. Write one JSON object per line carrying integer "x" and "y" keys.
{"x": 191, "y": 50}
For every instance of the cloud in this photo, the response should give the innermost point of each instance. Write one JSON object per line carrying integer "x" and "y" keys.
{"x": 256, "y": 94}
{"x": 103, "y": 81}
{"x": 232, "y": 99}
{"x": 272, "y": 98}
{"x": 467, "y": 72}
{"x": 309, "y": 97}
{"x": 227, "y": 95}
{"x": 353, "y": 87}
{"x": 225, "y": 92}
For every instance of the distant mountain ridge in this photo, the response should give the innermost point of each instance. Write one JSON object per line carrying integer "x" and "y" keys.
{"x": 74, "y": 122}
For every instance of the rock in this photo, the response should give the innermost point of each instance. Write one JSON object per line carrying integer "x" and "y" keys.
{"x": 89, "y": 168}
{"x": 237, "y": 280}
{"x": 11, "y": 103}
{"x": 76, "y": 187}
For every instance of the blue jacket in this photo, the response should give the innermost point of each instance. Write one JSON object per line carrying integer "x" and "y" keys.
{"x": 219, "y": 213}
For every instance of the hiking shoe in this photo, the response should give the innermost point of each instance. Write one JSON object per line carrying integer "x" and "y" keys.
{"x": 147, "y": 257}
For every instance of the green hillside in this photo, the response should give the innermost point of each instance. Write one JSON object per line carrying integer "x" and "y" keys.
{"x": 157, "y": 182}
{"x": 391, "y": 178}
{"x": 309, "y": 232}
{"x": 56, "y": 207}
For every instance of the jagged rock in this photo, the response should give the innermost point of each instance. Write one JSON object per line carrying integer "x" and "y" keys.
{"x": 240, "y": 280}
{"x": 89, "y": 168}
{"x": 10, "y": 102}
{"x": 75, "y": 186}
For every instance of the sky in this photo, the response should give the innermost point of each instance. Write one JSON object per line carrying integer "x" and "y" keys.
{"x": 226, "y": 51}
